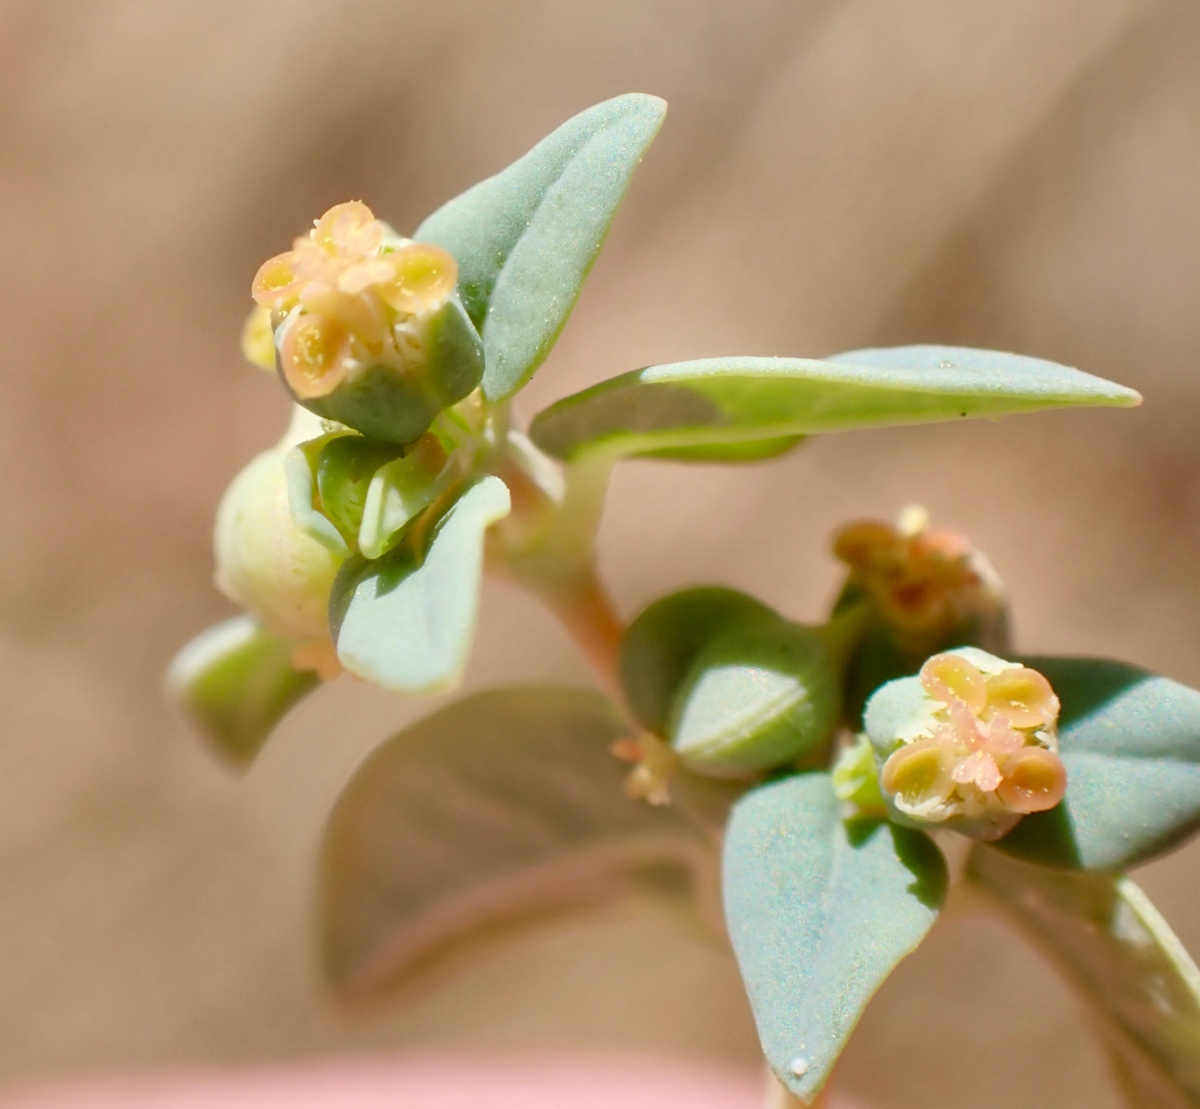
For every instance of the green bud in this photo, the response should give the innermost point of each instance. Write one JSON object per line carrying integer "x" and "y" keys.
{"x": 756, "y": 697}
{"x": 235, "y": 682}
{"x": 856, "y": 778}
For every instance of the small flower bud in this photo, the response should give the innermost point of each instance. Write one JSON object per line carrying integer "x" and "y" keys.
{"x": 926, "y": 590}
{"x": 760, "y": 695}
{"x": 970, "y": 743}
{"x": 856, "y": 778}
{"x": 368, "y": 326}
{"x": 655, "y": 763}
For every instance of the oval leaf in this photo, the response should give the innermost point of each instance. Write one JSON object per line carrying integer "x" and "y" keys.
{"x": 701, "y": 410}
{"x": 235, "y": 682}
{"x": 526, "y": 239}
{"x": 405, "y": 621}
{"x": 495, "y": 810}
{"x": 1123, "y": 960}
{"x": 1130, "y": 741}
{"x": 820, "y": 910}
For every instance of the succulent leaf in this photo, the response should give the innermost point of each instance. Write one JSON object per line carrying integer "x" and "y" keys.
{"x": 496, "y": 810}
{"x": 820, "y": 910}
{"x": 405, "y": 621}
{"x": 525, "y": 240}
{"x": 726, "y": 403}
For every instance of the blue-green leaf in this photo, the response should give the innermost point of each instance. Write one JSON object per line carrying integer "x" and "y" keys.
{"x": 1123, "y": 960}
{"x": 235, "y": 682}
{"x": 722, "y": 408}
{"x": 500, "y": 808}
{"x": 405, "y": 621}
{"x": 526, "y": 239}
{"x": 820, "y": 910}
{"x": 1130, "y": 741}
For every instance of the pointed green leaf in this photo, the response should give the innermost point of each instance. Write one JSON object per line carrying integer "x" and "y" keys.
{"x": 405, "y": 621}
{"x": 504, "y": 806}
{"x": 705, "y": 409}
{"x": 236, "y": 681}
{"x": 526, "y": 239}
{"x": 820, "y": 910}
{"x": 1130, "y": 741}
{"x": 1123, "y": 960}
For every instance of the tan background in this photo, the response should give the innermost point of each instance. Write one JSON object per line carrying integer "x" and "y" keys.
{"x": 834, "y": 173}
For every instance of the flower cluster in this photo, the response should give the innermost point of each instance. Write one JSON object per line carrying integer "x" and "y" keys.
{"x": 350, "y": 295}
{"x": 971, "y": 740}
{"x": 927, "y": 583}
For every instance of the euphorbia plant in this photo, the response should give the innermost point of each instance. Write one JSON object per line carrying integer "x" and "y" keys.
{"x": 840, "y": 779}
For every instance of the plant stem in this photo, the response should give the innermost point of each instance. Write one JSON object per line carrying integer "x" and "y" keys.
{"x": 548, "y": 546}
{"x": 587, "y": 615}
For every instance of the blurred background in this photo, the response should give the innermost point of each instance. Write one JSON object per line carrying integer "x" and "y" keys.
{"x": 833, "y": 174}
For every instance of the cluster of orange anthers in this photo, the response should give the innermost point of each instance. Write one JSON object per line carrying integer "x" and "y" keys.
{"x": 654, "y": 763}
{"x": 349, "y": 295}
{"x": 922, "y": 578}
{"x": 987, "y": 747}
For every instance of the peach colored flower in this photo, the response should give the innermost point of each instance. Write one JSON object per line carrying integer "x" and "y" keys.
{"x": 350, "y": 294}
{"x": 979, "y": 742}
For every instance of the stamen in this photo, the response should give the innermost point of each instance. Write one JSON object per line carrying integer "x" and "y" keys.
{"x": 858, "y": 544}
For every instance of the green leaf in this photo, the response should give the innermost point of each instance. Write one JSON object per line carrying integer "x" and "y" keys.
{"x": 235, "y": 682}
{"x": 664, "y": 639}
{"x": 1130, "y": 741}
{"x": 398, "y": 492}
{"x": 345, "y": 467}
{"x": 300, "y": 471}
{"x": 405, "y": 621}
{"x": 526, "y": 239}
{"x": 757, "y": 697}
{"x": 705, "y": 409}
{"x": 820, "y": 910}
{"x": 1111, "y": 944}
{"x": 500, "y": 808}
